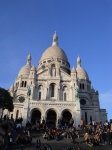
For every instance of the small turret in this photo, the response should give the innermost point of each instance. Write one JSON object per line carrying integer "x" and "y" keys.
{"x": 73, "y": 72}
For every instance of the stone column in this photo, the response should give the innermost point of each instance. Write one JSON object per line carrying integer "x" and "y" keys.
{"x": 78, "y": 111}
{"x": 25, "y": 113}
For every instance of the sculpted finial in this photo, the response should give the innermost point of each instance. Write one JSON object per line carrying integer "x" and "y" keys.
{"x": 55, "y": 39}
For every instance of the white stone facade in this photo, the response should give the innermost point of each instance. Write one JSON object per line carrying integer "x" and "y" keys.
{"x": 52, "y": 86}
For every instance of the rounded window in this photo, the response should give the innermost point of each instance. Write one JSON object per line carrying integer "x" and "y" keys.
{"x": 82, "y": 101}
{"x": 21, "y": 99}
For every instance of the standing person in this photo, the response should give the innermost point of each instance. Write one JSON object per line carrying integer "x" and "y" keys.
{"x": 93, "y": 123}
{"x": 10, "y": 139}
{"x": 104, "y": 137}
{"x": 6, "y": 143}
{"x": 74, "y": 136}
{"x": 86, "y": 137}
{"x": 82, "y": 124}
{"x": 38, "y": 144}
{"x": 48, "y": 147}
{"x": 109, "y": 134}
{"x": 106, "y": 125}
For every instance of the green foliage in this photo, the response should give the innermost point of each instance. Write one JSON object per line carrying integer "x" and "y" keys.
{"x": 4, "y": 125}
{"x": 6, "y": 101}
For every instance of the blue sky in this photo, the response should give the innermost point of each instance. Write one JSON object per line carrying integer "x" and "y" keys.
{"x": 84, "y": 28}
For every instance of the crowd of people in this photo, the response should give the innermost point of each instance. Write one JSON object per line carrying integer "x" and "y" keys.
{"x": 98, "y": 133}
{"x": 93, "y": 133}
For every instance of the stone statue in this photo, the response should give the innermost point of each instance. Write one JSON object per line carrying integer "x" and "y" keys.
{"x": 76, "y": 93}
{"x": 28, "y": 91}
{"x": 53, "y": 71}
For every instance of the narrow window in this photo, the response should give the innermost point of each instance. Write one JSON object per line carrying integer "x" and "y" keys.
{"x": 40, "y": 92}
{"x": 65, "y": 93}
{"x": 80, "y": 85}
{"x": 25, "y": 84}
{"x": 86, "y": 120}
{"x": 52, "y": 90}
{"x": 39, "y": 95}
{"x": 22, "y": 83}
{"x": 83, "y": 86}
{"x": 64, "y": 96}
{"x": 90, "y": 118}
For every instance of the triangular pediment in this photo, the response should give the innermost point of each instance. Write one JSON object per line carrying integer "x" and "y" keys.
{"x": 63, "y": 74}
{"x": 42, "y": 72}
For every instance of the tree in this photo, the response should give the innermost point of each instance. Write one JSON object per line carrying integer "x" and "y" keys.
{"x": 6, "y": 100}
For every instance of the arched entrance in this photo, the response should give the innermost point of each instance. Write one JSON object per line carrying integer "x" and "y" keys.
{"x": 66, "y": 117}
{"x": 36, "y": 116}
{"x": 51, "y": 118}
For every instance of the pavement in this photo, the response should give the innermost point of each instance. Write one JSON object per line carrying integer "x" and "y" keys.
{"x": 60, "y": 145}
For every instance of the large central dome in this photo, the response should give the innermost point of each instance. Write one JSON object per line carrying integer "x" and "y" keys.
{"x": 54, "y": 51}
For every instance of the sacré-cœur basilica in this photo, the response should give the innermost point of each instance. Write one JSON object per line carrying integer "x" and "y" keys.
{"x": 52, "y": 91}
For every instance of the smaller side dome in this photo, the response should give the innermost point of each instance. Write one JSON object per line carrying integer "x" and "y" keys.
{"x": 81, "y": 73}
{"x": 25, "y": 70}
{"x": 33, "y": 68}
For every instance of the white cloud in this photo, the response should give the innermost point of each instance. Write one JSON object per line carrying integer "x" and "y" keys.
{"x": 106, "y": 102}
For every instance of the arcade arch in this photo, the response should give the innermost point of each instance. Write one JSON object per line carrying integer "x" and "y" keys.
{"x": 35, "y": 116}
{"x": 66, "y": 117}
{"x": 51, "y": 118}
